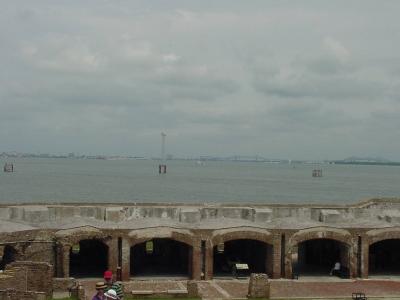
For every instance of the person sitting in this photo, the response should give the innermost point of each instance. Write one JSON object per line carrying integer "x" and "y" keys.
{"x": 336, "y": 269}
{"x": 100, "y": 286}
{"x": 112, "y": 284}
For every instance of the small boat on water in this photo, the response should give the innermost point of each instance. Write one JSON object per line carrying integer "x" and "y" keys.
{"x": 8, "y": 167}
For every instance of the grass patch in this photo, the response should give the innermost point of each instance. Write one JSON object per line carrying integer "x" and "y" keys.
{"x": 150, "y": 298}
{"x": 131, "y": 298}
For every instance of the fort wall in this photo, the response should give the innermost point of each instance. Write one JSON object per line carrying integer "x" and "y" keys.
{"x": 47, "y": 233}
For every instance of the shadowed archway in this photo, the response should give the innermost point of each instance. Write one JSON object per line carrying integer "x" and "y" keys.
{"x": 9, "y": 255}
{"x": 317, "y": 257}
{"x": 384, "y": 257}
{"x": 164, "y": 257}
{"x": 255, "y": 254}
{"x": 91, "y": 259}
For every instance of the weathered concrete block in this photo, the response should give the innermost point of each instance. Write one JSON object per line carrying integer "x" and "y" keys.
{"x": 154, "y": 212}
{"x": 36, "y": 214}
{"x": 189, "y": 215}
{"x": 17, "y": 213}
{"x": 259, "y": 287}
{"x": 135, "y": 213}
{"x": 208, "y": 213}
{"x": 166, "y": 213}
{"x": 5, "y": 213}
{"x": 301, "y": 212}
{"x": 263, "y": 215}
{"x": 63, "y": 212}
{"x": 88, "y": 212}
{"x": 282, "y": 212}
{"x": 115, "y": 214}
{"x": 391, "y": 216}
{"x": 235, "y": 213}
{"x": 329, "y": 216}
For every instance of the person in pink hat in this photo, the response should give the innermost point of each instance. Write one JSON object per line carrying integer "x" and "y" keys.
{"x": 113, "y": 285}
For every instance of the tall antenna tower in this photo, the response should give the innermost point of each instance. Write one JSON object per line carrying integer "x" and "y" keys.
{"x": 162, "y": 168}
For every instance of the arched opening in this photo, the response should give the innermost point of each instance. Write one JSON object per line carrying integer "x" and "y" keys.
{"x": 384, "y": 257}
{"x": 161, "y": 257}
{"x": 227, "y": 256}
{"x": 317, "y": 257}
{"x": 89, "y": 259}
{"x": 9, "y": 255}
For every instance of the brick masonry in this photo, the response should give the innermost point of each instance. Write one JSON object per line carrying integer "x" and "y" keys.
{"x": 27, "y": 280}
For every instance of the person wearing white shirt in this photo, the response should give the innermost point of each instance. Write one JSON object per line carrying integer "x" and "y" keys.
{"x": 336, "y": 269}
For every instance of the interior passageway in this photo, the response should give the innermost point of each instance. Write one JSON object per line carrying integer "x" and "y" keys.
{"x": 384, "y": 257}
{"x": 251, "y": 252}
{"x": 161, "y": 257}
{"x": 90, "y": 260}
{"x": 317, "y": 257}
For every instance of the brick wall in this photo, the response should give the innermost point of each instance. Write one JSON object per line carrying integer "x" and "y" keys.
{"x": 12, "y": 294}
{"x": 28, "y": 276}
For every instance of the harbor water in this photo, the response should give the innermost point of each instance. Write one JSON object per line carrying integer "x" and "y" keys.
{"x": 93, "y": 180}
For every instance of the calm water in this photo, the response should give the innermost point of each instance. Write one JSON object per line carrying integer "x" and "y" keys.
{"x": 71, "y": 180}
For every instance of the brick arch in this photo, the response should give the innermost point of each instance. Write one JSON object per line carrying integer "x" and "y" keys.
{"x": 374, "y": 236}
{"x": 378, "y": 235}
{"x": 336, "y": 234}
{"x": 69, "y": 237}
{"x": 142, "y": 235}
{"x": 184, "y": 236}
{"x": 322, "y": 232}
{"x": 242, "y": 233}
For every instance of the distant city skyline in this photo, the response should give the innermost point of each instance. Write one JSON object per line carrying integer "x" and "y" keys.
{"x": 169, "y": 156}
{"x": 302, "y": 80}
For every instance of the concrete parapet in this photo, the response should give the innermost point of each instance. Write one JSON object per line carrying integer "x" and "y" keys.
{"x": 92, "y": 212}
{"x": 373, "y": 212}
{"x": 5, "y": 213}
{"x": 236, "y": 213}
{"x": 36, "y": 214}
{"x": 329, "y": 216}
{"x": 208, "y": 213}
{"x": 282, "y": 212}
{"x": 391, "y": 216}
{"x": 17, "y": 213}
{"x": 263, "y": 215}
{"x": 115, "y": 214}
{"x": 154, "y": 212}
{"x": 189, "y": 215}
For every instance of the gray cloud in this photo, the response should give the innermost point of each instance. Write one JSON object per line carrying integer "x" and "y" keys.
{"x": 307, "y": 80}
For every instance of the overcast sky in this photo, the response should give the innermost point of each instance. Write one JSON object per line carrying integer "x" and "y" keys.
{"x": 282, "y": 79}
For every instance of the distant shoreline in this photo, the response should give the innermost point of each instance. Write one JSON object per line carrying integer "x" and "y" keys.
{"x": 366, "y": 163}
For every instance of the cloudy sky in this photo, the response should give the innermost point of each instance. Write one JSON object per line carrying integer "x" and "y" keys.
{"x": 282, "y": 79}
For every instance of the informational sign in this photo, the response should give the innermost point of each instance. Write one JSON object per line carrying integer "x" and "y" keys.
{"x": 76, "y": 248}
{"x": 241, "y": 266}
{"x": 149, "y": 247}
